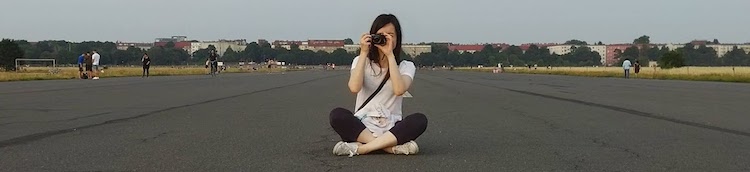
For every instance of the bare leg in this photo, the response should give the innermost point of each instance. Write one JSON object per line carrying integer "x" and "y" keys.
{"x": 385, "y": 142}
{"x": 366, "y": 137}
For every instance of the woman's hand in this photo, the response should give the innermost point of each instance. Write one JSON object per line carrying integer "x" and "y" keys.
{"x": 364, "y": 44}
{"x": 356, "y": 80}
{"x": 387, "y": 49}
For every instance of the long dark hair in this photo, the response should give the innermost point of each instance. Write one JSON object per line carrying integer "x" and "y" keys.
{"x": 380, "y": 22}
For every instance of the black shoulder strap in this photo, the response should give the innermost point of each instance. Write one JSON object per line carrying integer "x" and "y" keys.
{"x": 387, "y": 75}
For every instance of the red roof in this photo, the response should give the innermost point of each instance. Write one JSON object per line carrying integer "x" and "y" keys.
{"x": 466, "y": 47}
{"x": 699, "y": 42}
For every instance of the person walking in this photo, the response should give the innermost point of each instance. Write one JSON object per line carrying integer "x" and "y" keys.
{"x": 146, "y": 64}
{"x": 626, "y": 66}
{"x": 637, "y": 67}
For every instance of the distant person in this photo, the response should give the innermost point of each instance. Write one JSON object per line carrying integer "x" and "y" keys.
{"x": 626, "y": 65}
{"x": 89, "y": 64}
{"x": 637, "y": 67}
{"x": 95, "y": 57}
{"x": 81, "y": 62}
{"x": 213, "y": 61}
{"x": 333, "y": 66}
{"x": 378, "y": 123}
{"x": 146, "y": 64}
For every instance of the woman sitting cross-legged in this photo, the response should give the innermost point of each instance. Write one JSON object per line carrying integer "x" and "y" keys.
{"x": 379, "y": 78}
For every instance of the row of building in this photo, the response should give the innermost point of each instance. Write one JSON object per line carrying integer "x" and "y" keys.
{"x": 332, "y": 45}
{"x": 608, "y": 52}
{"x": 329, "y": 46}
{"x": 190, "y": 46}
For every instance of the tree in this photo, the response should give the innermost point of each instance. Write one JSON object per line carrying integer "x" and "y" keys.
{"x": 655, "y": 53}
{"x": 168, "y": 56}
{"x": 736, "y": 57}
{"x": 672, "y": 59}
{"x": 643, "y": 44}
{"x": 642, "y": 40}
{"x": 716, "y": 41}
{"x": 629, "y": 53}
{"x": 9, "y": 51}
{"x": 575, "y": 42}
{"x": 252, "y": 52}
{"x": 130, "y": 56}
{"x": 599, "y": 43}
{"x": 230, "y": 55}
{"x": 169, "y": 44}
{"x": 348, "y": 41}
{"x": 583, "y": 56}
{"x": 702, "y": 56}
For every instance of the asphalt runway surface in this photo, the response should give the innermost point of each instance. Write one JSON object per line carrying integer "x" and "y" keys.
{"x": 279, "y": 122}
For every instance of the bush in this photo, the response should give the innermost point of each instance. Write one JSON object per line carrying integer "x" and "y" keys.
{"x": 9, "y": 51}
{"x": 672, "y": 59}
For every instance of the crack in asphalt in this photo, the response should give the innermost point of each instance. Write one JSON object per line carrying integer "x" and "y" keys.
{"x": 619, "y": 109}
{"x": 33, "y": 109}
{"x": 553, "y": 126}
{"x": 71, "y": 119}
{"x": 603, "y": 143}
{"x": 38, "y": 136}
{"x": 576, "y": 165}
{"x": 97, "y": 86}
{"x": 153, "y": 138}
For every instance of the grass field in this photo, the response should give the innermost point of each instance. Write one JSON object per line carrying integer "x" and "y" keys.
{"x": 43, "y": 73}
{"x": 724, "y": 74}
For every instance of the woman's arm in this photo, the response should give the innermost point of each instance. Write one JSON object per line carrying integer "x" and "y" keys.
{"x": 357, "y": 78}
{"x": 400, "y": 82}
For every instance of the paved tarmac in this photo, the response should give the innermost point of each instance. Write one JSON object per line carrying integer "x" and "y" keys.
{"x": 279, "y": 122}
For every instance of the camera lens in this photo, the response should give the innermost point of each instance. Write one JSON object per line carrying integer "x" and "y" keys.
{"x": 378, "y": 39}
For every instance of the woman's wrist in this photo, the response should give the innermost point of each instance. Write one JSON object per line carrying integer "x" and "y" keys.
{"x": 391, "y": 56}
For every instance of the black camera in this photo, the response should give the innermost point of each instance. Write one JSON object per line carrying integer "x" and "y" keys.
{"x": 377, "y": 39}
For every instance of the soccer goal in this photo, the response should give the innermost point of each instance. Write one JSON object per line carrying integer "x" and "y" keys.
{"x": 37, "y": 65}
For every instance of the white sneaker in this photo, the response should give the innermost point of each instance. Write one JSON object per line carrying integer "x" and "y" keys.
{"x": 343, "y": 148}
{"x": 408, "y": 148}
{"x": 95, "y": 78}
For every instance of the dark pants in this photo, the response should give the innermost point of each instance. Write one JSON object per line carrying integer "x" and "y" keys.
{"x": 214, "y": 66}
{"x": 145, "y": 70}
{"x": 627, "y": 73}
{"x": 349, "y": 127}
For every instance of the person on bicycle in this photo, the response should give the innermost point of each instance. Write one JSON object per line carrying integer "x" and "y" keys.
{"x": 212, "y": 61}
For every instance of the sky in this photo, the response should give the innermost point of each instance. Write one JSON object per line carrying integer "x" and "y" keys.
{"x": 460, "y": 21}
